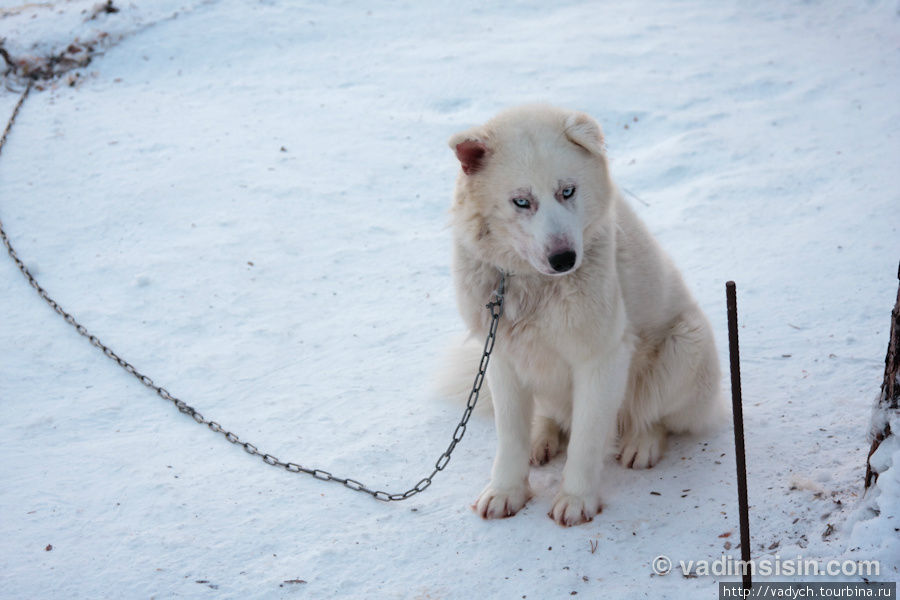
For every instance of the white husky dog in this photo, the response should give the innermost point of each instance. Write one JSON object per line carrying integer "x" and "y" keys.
{"x": 599, "y": 332}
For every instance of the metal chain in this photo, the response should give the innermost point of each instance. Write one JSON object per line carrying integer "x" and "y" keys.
{"x": 495, "y": 306}
{"x": 15, "y": 113}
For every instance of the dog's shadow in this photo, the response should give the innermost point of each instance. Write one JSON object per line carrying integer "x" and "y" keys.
{"x": 690, "y": 468}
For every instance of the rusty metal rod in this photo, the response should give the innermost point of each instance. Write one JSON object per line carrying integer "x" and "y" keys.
{"x": 738, "y": 413}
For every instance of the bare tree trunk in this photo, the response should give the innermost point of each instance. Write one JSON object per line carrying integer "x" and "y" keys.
{"x": 890, "y": 389}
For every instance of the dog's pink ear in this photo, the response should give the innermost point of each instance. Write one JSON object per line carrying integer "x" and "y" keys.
{"x": 471, "y": 155}
{"x": 584, "y": 131}
{"x": 471, "y": 149}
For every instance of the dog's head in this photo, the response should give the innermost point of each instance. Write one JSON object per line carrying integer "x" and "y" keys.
{"x": 534, "y": 186}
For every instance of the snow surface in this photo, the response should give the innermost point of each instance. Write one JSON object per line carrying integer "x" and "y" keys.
{"x": 247, "y": 199}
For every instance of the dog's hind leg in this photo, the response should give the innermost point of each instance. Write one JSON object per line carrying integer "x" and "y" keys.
{"x": 694, "y": 401}
{"x": 545, "y": 440}
{"x": 641, "y": 449}
{"x": 673, "y": 387}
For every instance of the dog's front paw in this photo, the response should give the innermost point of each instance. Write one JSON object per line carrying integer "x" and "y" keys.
{"x": 569, "y": 509}
{"x": 499, "y": 503}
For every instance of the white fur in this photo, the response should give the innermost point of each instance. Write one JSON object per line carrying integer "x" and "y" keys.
{"x": 615, "y": 343}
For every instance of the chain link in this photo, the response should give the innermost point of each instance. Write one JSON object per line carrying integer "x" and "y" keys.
{"x": 495, "y": 306}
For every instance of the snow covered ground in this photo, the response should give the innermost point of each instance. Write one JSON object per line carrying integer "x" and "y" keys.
{"x": 247, "y": 199}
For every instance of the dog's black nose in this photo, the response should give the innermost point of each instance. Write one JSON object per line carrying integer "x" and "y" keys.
{"x": 563, "y": 261}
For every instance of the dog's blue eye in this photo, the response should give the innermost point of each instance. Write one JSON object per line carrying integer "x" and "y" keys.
{"x": 522, "y": 202}
{"x": 568, "y": 192}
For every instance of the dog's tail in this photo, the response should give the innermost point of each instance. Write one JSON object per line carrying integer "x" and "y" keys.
{"x": 457, "y": 371}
